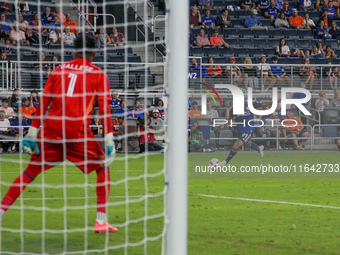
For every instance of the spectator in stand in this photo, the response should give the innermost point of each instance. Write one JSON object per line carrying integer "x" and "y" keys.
{"x": 156, "y": 121}
{"x": 55, "y": 23}
{"x": 329, "y": 53}
{"x": 321, "y": 103}
{"x": 281, "y": 21}
{"x": 4, "y": 128}
{"x": 23, "y": 24}
{"x": 115, "y": 103}
{"x": 72, "y": 24}
{"x": 296, "y": 131}
{"x": 194, "y": 112}
{"x": 233, "y": 70}
{"x": 3, "y": 35}
{"x": 3, "y": 58}
{"x": 299, "y": 95}
{"x": 223, "y": 20}
{"x": 117, "y": 38}
{"x": 252, "y": 21}
{"x": 31, "y": 38}
{"x": 196, "y": 71}
{"x": 27, "y": 110}
{"x": 123, "y": 111}
{"x": 248, "y": 5}
{"x": 20, "y": 121}
{"x": 208, "y": 21}
{"x": 278, "y": 73}
{"x": 118, "y": 130}
{"x": 17, "y": 36}
{"x": 331, "y": 12}
{"x": 213, "y": 70}
{"x": 6, "y": 24}
{"x": 14, "y": 100}
{"x": 160, "y": 107}
{"x": 331, "y": 74}
{"x": 47, "y": 17}
{"x": 262, "y": 5}
{"x": 335, "y": 101}
{"x": 195, "y": 17}
{"x": 317, "y": 51}
{"x": 34, "y": 98}
{"x": 7, "y": 47}
{"x": 283, "y": 50}
{"x": 192, "y": 39}
{"x": 286, "y": 10}
{"x": 251, "y": 71}
{"x": 146, "y": 133}
{"x": 206, "y": 4}
{"x": 327, "y": 20}
{"x": 139, "y": 110}
{"x": 22, "y": 7}
{"x": 322, "y": 31}
{"x": 308, "y": 71}
{"x": 202, "y": 40}
{"x": 87, "y": 32}
{"x": 5, "y": 7}
{"x": 216, "y": 40}
{"x": 97, "y": 130}
{"x": 55, "y": 64}
{"x": 102, "y": 38}
{"x": 9, "y": 111}
{"x": 296, "y": 21}
{"x": 307, "y": 22}
{"x": 37, "y": 25}
{"x": 68, "y": 37}
{"x": 263, "y": 70}
{"x": 55, "y": 35}
{"x": 272, "y": 12}
{"x": 61, "y": 16}
{"x": 334, "y": 31}
{"x": 196, "y": 138}
{"x": 279, "y": 4}
{"x": 321, "y": 4}
{"x": 306, "y": 5}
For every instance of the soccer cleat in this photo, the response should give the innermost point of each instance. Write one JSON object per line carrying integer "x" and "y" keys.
{"x": 261, "y": 150}
{"x": 102, "y": 228}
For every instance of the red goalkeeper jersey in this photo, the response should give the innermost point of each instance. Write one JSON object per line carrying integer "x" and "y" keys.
{"x": 69, "y": 95}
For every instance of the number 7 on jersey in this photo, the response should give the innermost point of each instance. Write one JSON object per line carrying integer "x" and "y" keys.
{"x": 72, "y": 84}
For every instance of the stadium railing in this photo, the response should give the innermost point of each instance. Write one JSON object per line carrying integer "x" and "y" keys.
{"x": 333, "y": 133}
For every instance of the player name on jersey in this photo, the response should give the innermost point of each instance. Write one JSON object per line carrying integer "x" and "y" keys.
{"x": 77, "y": 67}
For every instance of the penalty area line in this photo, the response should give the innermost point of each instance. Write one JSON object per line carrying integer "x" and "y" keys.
{"x": 271, "y": 201}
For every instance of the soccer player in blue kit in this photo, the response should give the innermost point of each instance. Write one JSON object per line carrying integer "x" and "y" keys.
{"x": 244, "y": 132}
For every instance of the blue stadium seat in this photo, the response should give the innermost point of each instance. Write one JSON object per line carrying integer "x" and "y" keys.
{"x": 210, "y": 31}
{"x": 274, "y": 32}
{"x": 231, "y": 41}
{"x": 255, "y": 52}
{"x": 240, "y": 51}
{"x": 303, "y": 43}
{"x": 289, "y": 33}
{"x": 225, "y": 51}
{"x": 245, "y": 42}
{"x": 220, "y": 60}
{"x": 266, "y": 22}
{"x": 273, "y": 42}
{"x": 237, "y": 22}
{"x": 134, "y": 59}
{"x": 116, "y": 58}
{"x": 245, "y": 32}
{"x": 321, "y": 61}
{"x": 231, "y": 2}
{"x": 305, "y": 33}
{"x": 195, "y": 51}
{"x": 209, "y": 51}
{"x": 260, "y": 33}
{"x": 268, "y": 51}
{"x": 294, "y": 60}
{"x": 260, "y": 42}
{"x": 240, "y": 13}
{"x": 335, "y": 61}
{"x": 230, "y": 32}
{"x": 195, "y": 31}
{"x": 314, "y": 15}
{"x": 332, "y": 42}
{"x": 282, "y": 60}
{"x": 98, "y": 58}
{"x": 291, "y": 43}
{"x": 213, "y": 12}
{"x": 219, "y": 3}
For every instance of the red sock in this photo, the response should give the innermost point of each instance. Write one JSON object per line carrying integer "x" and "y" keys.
{"x": 103, "y": 189}
{"x": 17, "y": 187}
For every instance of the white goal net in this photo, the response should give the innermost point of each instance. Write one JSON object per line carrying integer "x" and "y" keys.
{"x": 56, "y": 212}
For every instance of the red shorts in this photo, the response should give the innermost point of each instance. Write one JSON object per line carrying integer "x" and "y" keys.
{"x": 87, "y": 156}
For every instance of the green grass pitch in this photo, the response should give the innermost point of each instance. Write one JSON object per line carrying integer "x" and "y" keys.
{"x": 281, "y": 215}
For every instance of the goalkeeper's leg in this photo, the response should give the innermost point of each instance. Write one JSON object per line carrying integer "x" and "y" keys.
{"x": 17, "y": 187}
{"x": 103, "y": 191}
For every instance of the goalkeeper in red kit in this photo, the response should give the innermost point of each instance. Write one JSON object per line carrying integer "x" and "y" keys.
{"x": 69, "y": 96}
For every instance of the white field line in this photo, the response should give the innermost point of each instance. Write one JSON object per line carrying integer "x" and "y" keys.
{"x": 270, "y": 201}
{"x": 70, "y": 198}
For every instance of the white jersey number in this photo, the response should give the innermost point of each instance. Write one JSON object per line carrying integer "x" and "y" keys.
{"x": 72, "y": 84}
